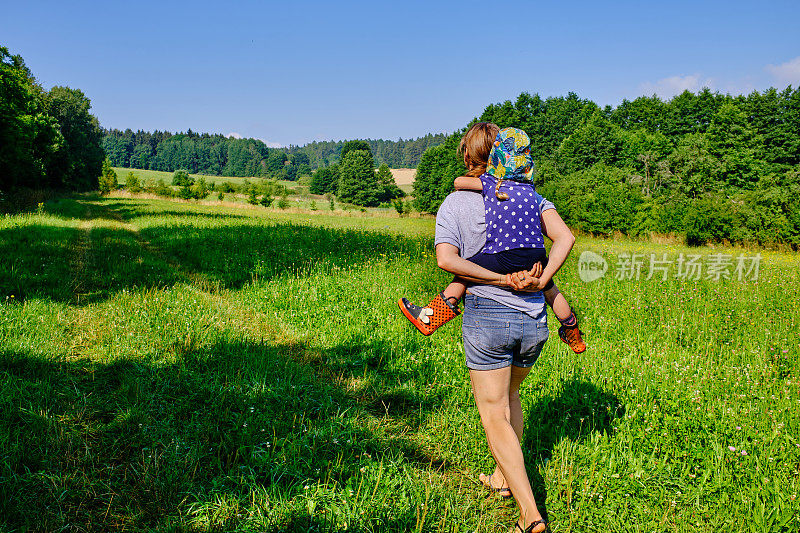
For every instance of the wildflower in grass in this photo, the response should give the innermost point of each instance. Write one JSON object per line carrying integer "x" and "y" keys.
{"x": 731, "y": 448}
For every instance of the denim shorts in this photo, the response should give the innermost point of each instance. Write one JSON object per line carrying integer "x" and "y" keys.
{"x": 496, "y": 336}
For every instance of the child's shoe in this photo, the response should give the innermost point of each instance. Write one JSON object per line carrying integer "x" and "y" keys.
{"x": 572, "y": 336}
{"x": 428, "y": 319}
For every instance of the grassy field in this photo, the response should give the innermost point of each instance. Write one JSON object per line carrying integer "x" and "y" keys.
{"x": 152, "y": 176}
{"x": 174, "y": 366}
{"x": 299, "y": 197}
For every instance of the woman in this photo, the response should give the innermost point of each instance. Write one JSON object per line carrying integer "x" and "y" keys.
{"x": 503, "y": 331}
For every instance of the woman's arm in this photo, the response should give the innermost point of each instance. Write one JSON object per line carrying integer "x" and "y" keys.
{"x": 465, "y": 183}
{"x": 448, "y": 259}
{"x": 558, "y": 232}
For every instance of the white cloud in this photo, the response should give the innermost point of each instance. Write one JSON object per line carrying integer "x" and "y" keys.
{"x": 669, "y": 87}
{"x": 786, "y": 73}
{"x": 271, "y": 144}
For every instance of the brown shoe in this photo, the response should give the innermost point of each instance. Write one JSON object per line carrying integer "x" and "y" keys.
{"x": 572, "y": 336}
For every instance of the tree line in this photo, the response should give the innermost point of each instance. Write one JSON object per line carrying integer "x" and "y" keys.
{"x": 395, "y": 154}
{"x": 48, "y": 139}
{"x": 709, "y": 166}
{"x": 218, "y": 155}
{"x": 201, "y": 153}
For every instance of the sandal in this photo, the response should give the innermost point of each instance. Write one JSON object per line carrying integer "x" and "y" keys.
{"x": 503, "y": 492}
{"x": 532, "y": 525}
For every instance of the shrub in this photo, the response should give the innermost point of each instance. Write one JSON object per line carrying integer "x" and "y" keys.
{"x": 252, "y": 197}
{"x": 201, "y": 189}
{"x": 185, "y": 192}
{"x": 161, "y": 189}
{"x": 399, "y": 206}
{"x": 181, "y": 177}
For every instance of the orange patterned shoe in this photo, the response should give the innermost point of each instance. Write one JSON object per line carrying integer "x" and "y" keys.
{"x": 428, "y": 319}
{"x": 572, "y": 336}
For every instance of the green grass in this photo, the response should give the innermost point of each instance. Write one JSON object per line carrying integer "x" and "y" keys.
{"x": 174, "y": 366}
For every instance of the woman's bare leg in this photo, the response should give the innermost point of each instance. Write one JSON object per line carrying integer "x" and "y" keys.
{"x": 516, "y": 416}
{"x": 491, "y": 389}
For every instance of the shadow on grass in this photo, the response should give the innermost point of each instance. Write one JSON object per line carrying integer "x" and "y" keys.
{"x": 85, "y": 265}
{"x": 579, "y": 410}
{"x": 128, "y": 444}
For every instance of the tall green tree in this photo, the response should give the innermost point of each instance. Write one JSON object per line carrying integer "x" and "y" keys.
{"x": 79, "y": 160}
{"x": 358, "y": 183}
{"x": 734, "y": 144}
{"x": 28, "y": 135}
{"x": 325, "y": 180}
{"x": 437, "y": 169}
{"x": 350, "y": 146}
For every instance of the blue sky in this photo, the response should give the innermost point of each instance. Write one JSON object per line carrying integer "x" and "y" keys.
{"x": 293, "y": 72}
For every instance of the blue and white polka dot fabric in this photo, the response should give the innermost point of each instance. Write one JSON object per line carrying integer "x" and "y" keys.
{"x": 512, "y": 223}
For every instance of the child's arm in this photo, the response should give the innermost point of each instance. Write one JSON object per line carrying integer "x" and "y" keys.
{"x": 465, "y": 183}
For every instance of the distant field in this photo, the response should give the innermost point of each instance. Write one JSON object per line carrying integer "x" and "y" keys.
{"x": 182, "y": 366}
{"x": 151, "y": 176}
{"x": 404, "y": 177}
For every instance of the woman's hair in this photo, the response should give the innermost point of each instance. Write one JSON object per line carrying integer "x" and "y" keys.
{"x": 476, "y": 145}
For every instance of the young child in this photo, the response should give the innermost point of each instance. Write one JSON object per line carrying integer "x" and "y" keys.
{"x": 500, "y": 166}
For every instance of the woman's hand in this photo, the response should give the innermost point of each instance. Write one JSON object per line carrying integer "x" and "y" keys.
{"x": 527, "y": 280}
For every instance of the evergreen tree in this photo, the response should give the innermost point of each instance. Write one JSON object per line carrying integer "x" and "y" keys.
{"x": 131, "y": 182}
{"x": 388, "y": 188}
{"x": 358, "y": 183}
{"x": 350, "y": 146}
{"x": 108, "y": 178}
{"x": 324, "y": 180}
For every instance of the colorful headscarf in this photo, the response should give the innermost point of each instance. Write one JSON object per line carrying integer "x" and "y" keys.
{"x": 510, "y": 158}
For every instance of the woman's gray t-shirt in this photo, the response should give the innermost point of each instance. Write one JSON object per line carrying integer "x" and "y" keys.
{"x": 461, "y": 222}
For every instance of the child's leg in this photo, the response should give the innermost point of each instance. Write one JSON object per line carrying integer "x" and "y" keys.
{"x": 568, "y": 331}
{"x": 456, "y": 290}
{"x": 442, "y": 309}
{"x": 558, "y": 303}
